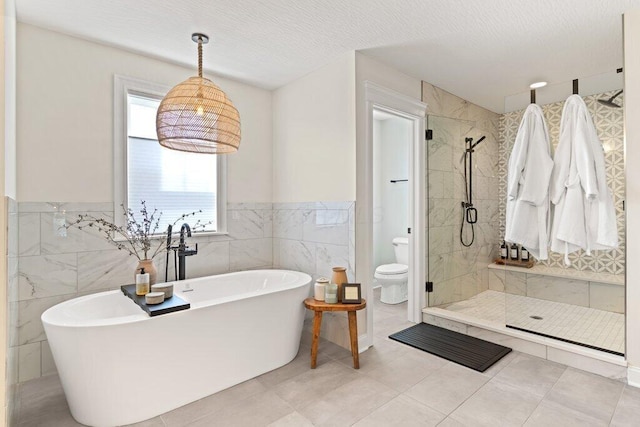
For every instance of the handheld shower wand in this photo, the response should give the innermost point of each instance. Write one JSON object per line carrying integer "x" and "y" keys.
{"x": 469, "y": 213}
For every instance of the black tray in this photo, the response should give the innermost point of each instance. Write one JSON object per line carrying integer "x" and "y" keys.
{"x": 168, "y": 306}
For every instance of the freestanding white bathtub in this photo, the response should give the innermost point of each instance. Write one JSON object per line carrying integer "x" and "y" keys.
{"x": 119, "y": 366}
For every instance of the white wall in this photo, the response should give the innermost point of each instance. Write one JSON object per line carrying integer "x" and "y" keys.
{"x": 10, "y": 98}
{"x": 390, "y": 200}
{"x": 378, "y": 255}
{"x": 65, "y": 119}
{"x": 314, "y": 135}
{"x": 7, "y": 144}
{"x": 632, "y": 156}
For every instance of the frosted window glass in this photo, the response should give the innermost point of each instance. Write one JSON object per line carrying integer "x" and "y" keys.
{"x": 174, "y": 182}
{"x": 142, "y": 117}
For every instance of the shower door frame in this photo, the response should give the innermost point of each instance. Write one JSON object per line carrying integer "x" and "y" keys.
{"x": 380, "y": 98}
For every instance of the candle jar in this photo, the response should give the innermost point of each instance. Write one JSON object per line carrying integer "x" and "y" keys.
{"x": 331, "y": 293}
{"x": 319, "y": 288}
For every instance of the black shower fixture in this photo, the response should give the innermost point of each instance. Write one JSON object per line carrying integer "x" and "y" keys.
{"x": 469, "y": 213}
{"x": 609, "y": 102}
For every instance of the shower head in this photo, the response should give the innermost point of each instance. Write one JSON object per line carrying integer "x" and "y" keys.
{"x": 478, "y": 141}
{"x": 609, "y": 102}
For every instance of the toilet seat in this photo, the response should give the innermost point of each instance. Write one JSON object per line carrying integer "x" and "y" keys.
{"x": 392, "y": 269}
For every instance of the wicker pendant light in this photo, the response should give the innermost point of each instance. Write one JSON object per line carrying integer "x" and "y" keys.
{"x": 197, "y": 116}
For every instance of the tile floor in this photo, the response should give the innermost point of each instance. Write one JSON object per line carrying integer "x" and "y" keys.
{"x": 395, "y": 386}
{"x": 603, "y": 329}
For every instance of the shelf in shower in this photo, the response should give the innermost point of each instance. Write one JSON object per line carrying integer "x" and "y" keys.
{"x": 515, "y": 263}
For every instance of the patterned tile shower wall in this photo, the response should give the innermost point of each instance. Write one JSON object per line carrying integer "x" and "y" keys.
{"x": 609, "y": 124}
{"x": 459, "y": 272}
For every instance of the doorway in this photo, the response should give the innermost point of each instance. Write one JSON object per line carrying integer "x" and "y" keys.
{"x": 380, "y": 100}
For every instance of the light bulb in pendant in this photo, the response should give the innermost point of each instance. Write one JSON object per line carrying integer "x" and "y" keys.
{"x": 200, "y": 110}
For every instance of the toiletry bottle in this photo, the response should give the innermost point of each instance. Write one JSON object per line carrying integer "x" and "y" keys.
{"x": 142, "y": 283}
{"x": 503, "y": 250}
{"x": 524, "y": 254}
{"x": 514, "y": 252}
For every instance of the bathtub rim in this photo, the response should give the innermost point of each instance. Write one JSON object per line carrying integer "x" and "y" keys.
{"x": 48, "y": 319}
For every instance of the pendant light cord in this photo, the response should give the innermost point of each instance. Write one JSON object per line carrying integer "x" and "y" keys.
{"x": 200, "y": 56}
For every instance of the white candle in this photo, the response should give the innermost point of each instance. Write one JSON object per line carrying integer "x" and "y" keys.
{"x": 331, "y": 293}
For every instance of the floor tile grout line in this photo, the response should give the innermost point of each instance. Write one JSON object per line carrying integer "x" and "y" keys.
{"x": 546, "y": 394}
{"x": 617, "y": 404}
{"x": 422, "y": 404}
{"x": 468, "y": 397}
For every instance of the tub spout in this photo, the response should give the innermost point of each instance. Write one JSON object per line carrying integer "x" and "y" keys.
{"x": 184, "y": 230}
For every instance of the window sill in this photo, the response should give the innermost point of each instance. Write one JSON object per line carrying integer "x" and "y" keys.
{"x": 176, "y": 234}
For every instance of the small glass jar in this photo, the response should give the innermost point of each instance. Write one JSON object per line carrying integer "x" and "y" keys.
{"x": 331, "y": 293}
{"x": 319, "y": 288}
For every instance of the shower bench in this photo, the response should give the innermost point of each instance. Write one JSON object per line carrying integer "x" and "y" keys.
{"x": 603, "y": 291}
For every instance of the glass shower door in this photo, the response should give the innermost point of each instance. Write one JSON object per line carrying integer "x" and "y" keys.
{"x": 459, "y": 253}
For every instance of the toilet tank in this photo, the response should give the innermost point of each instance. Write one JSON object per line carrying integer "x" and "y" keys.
{"x": 401, "y": 248}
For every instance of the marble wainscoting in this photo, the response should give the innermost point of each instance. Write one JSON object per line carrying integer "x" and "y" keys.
{"x": 314, "y": 237}
{"x": 53, "y": 266}
{"x": 459, "y": 272}
{"x": 12, "y": 295}
{"x": 605, "y": 293}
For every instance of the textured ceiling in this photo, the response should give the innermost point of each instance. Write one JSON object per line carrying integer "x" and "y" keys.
{"x": 481, "y": 50}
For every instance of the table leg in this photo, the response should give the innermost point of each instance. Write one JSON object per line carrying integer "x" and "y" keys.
{"x": 353, "y": 334}
{"x": 317, "y": 323}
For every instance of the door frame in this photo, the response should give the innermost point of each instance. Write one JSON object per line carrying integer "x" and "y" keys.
{"x": 380, "y": 98}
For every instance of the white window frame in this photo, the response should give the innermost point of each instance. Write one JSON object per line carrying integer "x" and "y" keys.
{"x": 122, "y": 87}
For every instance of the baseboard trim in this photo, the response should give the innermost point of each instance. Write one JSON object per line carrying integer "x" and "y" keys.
{"x": 363, "y": 343}
{"x": 633, "y": 376}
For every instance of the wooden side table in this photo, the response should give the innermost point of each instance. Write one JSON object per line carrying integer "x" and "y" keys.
{"x": 318, "y": 308}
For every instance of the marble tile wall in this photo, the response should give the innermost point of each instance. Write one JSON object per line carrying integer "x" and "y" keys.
{"x": 314, "y": 237}
{"x": 459, "y": 272}
{"x": 610, "y": 127}
{"x": 12, "y": 290}
{"x": 52, "y": 266}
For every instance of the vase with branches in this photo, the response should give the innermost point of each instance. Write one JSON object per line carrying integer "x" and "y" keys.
{"x": 139, "y": 236}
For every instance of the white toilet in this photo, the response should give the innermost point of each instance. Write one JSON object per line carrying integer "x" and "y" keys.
{"x": 394, "y": 277}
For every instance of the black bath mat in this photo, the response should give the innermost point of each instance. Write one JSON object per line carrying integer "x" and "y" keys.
{"x": 463, "y": 349}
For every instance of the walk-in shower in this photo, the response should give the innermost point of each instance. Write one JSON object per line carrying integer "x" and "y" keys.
{"x": 582, "y": 304}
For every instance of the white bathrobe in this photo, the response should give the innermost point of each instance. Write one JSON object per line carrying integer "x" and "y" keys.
{"x": 530, "y": 165}
{"x": 584, "y": 215}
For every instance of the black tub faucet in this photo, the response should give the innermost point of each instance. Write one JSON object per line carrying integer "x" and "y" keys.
{"x": 184, "y": 251}
{"x": 185, "y": 229}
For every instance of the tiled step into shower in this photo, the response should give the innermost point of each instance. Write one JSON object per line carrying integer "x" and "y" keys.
{"x": 533, "y": 325}
{"x": 602, "y": 330}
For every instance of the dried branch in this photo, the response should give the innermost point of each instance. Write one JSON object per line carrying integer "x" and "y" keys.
{"x": 138, "y": 235}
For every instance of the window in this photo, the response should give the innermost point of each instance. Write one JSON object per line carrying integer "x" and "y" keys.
{"x": 174, "y": 182}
